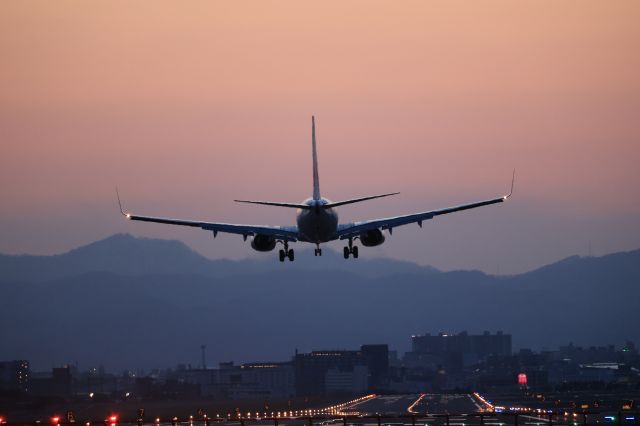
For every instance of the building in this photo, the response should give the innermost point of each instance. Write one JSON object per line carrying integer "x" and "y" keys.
{"x": 349, "y": 381}
{"x": 58, "y": 383}
{"x": 376, "y": 358}
{"x": 246, "y": 381}
{"x": 481, "y": 345}
{"x": 311, "y": 369}
{"x": 454, "y": 351}
{"x": 331, "y": 371}
{"x": 15, "y": 375}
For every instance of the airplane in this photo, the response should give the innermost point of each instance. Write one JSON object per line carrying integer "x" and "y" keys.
{"x": 317, "y": 221}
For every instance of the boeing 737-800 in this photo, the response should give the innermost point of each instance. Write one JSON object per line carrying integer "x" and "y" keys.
{"x": 317, "y": 221}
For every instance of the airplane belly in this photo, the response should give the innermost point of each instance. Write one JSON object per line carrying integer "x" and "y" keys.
{"x": 317, "y": 227}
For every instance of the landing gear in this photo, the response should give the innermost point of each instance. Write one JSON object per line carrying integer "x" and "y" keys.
{"x": 350, "y": 250}
{"x": 286, "y": 253}
{"x": 317, "y": 251}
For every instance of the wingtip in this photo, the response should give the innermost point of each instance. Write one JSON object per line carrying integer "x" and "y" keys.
{"x": 127, "y": 215}
{"x": 513, "y": 179}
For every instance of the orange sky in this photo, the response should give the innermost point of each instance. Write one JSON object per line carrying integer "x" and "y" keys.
{"x": 187, "y": 105}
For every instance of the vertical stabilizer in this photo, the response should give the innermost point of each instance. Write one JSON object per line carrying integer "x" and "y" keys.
{"x": 316, "y": 179}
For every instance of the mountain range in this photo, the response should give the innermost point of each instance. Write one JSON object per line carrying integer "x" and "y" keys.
{"x": 128, "y": 302}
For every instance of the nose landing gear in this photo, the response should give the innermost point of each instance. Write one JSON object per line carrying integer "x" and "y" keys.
{"x": 317, "y": 251}
{"x": 350, "y": 250}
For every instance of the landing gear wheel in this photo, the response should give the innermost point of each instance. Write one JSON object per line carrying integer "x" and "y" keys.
{"x": 290, "y": 255}
{"x": 346, "y": 252}
{"x": 319, "y": 252}
{"x": 354, "y": 251}
{"x": 281, "y": 255}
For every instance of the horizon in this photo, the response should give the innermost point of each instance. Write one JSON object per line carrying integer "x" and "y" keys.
{"x": 308, "y": 249}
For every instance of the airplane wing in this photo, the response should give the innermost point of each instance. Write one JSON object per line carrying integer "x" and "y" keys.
{"x": 285, "y": 233}
{"x": 349, "y": 230}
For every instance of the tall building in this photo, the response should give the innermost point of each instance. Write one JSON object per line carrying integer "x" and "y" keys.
{"x": 376, "y": 358}
{"x": 482, "y": 345}
{"x": 15, "y": 375}
{"x": 351, "y": 381}
{"x": 453, "y": 351}
{"x": 311, "y": 369}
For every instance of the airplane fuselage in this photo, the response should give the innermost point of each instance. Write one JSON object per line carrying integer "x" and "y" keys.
{"x": 317, "y": 225}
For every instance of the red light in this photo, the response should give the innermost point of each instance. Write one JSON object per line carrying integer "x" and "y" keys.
{"x": 55, "y": 420}
{"x": 113, "y": 418}
{"x": 522, "y": 379}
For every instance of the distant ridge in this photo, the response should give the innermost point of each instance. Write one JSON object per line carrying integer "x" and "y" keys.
{"x": 130, "y": 302}
{"x": 125, "y": 254}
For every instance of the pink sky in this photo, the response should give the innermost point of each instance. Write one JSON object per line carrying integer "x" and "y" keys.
{"x": 188, "y": 105}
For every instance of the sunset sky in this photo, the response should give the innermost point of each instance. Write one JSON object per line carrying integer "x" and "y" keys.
{"x": 188, "y": 105}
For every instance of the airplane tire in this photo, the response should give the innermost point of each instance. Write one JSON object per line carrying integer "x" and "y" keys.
{"x": 281, "y": 255}
{"x": 291, "y": 255}
{"x": 354, "y": 250}
{"x": 346, "y": 252}
{"x": 319, "y": 252}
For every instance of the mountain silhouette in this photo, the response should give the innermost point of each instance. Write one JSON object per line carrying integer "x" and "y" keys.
{"x": 127, "y": 302}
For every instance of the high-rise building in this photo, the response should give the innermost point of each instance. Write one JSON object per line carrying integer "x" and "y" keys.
{"x": 481, "y": 345}
{"x": 376, "y": 358}
{"x": 311, "y": 369}
{"x": 15, "y": 375}
{"x": 454, "y": 351}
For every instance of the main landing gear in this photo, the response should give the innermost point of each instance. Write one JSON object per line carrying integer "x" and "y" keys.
{"x": 351, "y": 250}
{"x": 286, "y": 253}
{"x": 317, "y": 251}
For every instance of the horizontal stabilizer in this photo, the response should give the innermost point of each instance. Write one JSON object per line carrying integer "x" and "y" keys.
{"x": 357, "y": 200}
{"x": 277, "y": 204}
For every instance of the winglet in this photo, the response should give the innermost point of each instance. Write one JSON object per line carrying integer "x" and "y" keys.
{"x": 127, "y": 215}
{"x": 513, "y": 179}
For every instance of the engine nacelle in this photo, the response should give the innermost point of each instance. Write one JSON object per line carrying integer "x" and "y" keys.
{"x": 263, "y": 243}
{"x": 372, "y": 238}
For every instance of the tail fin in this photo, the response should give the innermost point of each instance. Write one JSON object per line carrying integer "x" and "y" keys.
{"x": 316, "y": 179}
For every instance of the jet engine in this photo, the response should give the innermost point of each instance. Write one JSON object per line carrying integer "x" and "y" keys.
{"x": 263, "y": 243}
{"x": 372, "y": 238}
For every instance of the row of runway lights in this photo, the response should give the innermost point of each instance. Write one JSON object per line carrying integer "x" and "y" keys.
{"x": 333, "y": 409}
{"x": 528, "y": 410}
